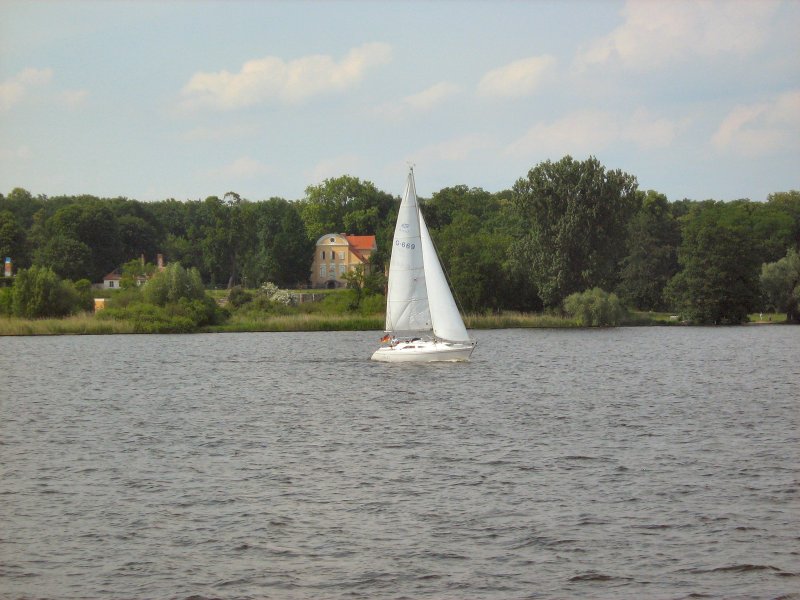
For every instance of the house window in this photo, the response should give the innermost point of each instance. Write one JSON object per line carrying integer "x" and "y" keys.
{"x": 110, "y": 284}
{"x": 323, "y": 255}
{"x": 323, "y": 271}
{"x": 341, "y": 255}
{"x": 341, "y": 269}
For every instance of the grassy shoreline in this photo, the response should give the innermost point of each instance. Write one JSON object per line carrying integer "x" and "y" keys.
{"x": 88, "y": 324}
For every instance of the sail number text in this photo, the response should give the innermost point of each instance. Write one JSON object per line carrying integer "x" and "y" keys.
{"x": 408, "y": 245}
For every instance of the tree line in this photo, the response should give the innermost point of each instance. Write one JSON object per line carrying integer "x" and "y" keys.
{"x": 565, "y": 228}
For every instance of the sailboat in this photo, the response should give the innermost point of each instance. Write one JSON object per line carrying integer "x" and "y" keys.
{"x": 422, "y": 320}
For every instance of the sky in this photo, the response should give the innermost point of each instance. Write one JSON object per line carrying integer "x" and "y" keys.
{"x": 188, "y": 99}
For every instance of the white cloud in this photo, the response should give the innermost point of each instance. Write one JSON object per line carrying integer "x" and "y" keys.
{"x": 73, "y": 98}
{"x": 18, "y": 153}
{"x": 655, "y": 33}
{"x": 334, "y": 167}
{"x": 422, "y": 101}
{"x": 15, "y": 89}
{"x": 434, "y": 95}
{"x": 761, "y": 128}
{"x": 454, "y": 149}
{"x": 519, "y": 78}
{"x": 288, "y": 81}
{"x": 243, "y": 167}
{"x": 589, "y": 131}
{"x": 218, "y": 133}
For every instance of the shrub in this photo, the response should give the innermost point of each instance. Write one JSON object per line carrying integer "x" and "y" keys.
{"x": 172, "y": 284}
{"x": 38, "y": 292}
{"x": 6, "y": 301}
{"x": 594, "y": 308}
{"x": 184, "y": 316}
{"x": 238, "y": 297}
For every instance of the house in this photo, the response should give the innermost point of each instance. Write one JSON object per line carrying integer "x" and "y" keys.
{"x": 112, "y": 280}
{"x": 338, "y": 253}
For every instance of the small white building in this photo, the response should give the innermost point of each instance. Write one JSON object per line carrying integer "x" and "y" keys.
{"x": 111, "y": 281}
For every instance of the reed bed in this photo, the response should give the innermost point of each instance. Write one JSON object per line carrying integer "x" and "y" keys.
{"x": 82, "y": 324}
{"x": 514, "y": 320}
{"x": 88, "y": 324}
{"x": 300, "y": 322}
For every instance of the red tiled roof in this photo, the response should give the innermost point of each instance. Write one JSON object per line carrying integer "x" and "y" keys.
{"x": 361, "y": 242}
{"x": 115, "y": 275}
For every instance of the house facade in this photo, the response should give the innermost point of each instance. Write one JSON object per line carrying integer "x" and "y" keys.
{"x": 112, "y": 280}
{"x": 338, "y": 253}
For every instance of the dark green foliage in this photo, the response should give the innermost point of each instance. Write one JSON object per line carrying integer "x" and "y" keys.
{"x": 85, "y": 296}
{"x": 566, "y": 227}
{"x": 13, "y": 241}
{"x": 173, "y": 301}
{"x": 653, "y": 239}
{"x": 780, "y": 283}
{"x": 718, "y": 283}
{"x": 575, "y": 216}
{"x": 472, "y": 230}
{"x": 238, "y": 297}
{"x": 68, "y": 257}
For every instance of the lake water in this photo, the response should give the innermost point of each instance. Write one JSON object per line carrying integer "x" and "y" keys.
{"x": 616, "y": 463}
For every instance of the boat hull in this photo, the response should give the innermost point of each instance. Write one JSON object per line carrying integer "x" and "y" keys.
{"x": 424, "y": 351}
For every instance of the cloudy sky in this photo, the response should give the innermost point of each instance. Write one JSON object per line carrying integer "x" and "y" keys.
{"x": 180, "y": 99}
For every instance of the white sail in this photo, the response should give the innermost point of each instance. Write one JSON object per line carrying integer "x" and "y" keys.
{"x": 407, "y": 297}
{"x": 418, "y": 299}
{"x": 447, "y": 322}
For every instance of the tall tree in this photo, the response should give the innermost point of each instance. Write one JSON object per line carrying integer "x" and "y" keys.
{"x": 652, "y": 260}
{"x": 13, "y": 241}
{"x": 93, "y": 224}
{"x": 345, "y": 205}
{"x": 780, "y": 283}
{"x": 471, "y": 229}
{"x": 575, "y": 214}
{"x": 718, "y": 283}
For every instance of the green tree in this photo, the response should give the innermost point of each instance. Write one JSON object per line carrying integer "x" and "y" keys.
{"x": 718, "y": 283}
{"x": 652, "y": 260}
{"x": 173, "y": 284}
{"x": 67, "y": 257}
{"x": 92, "y": 223}
{"x": 575, "y": 215}
{"x": 473, "y": 230}
{"x": 13, "y": 241}
{"x": 780, "y": 283}
{"x": 135, "y": 272}
{"x": 789, "y": 204}
{"x": 23, "y": 205}
{"x": 38, "y": 292}
{"x": 280, "y": 250}
{"x": 345, "y": 204}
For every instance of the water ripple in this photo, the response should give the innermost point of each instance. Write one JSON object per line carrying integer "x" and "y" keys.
{"x": 624, "y": 463}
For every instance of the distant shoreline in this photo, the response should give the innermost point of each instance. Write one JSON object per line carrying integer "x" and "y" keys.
{"x": 88, "y": 324}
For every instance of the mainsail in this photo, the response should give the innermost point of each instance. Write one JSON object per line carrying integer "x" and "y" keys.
{"x": 407, "y": 308}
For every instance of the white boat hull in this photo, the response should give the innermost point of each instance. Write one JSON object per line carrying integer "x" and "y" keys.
{"x": 424, "y": 351}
